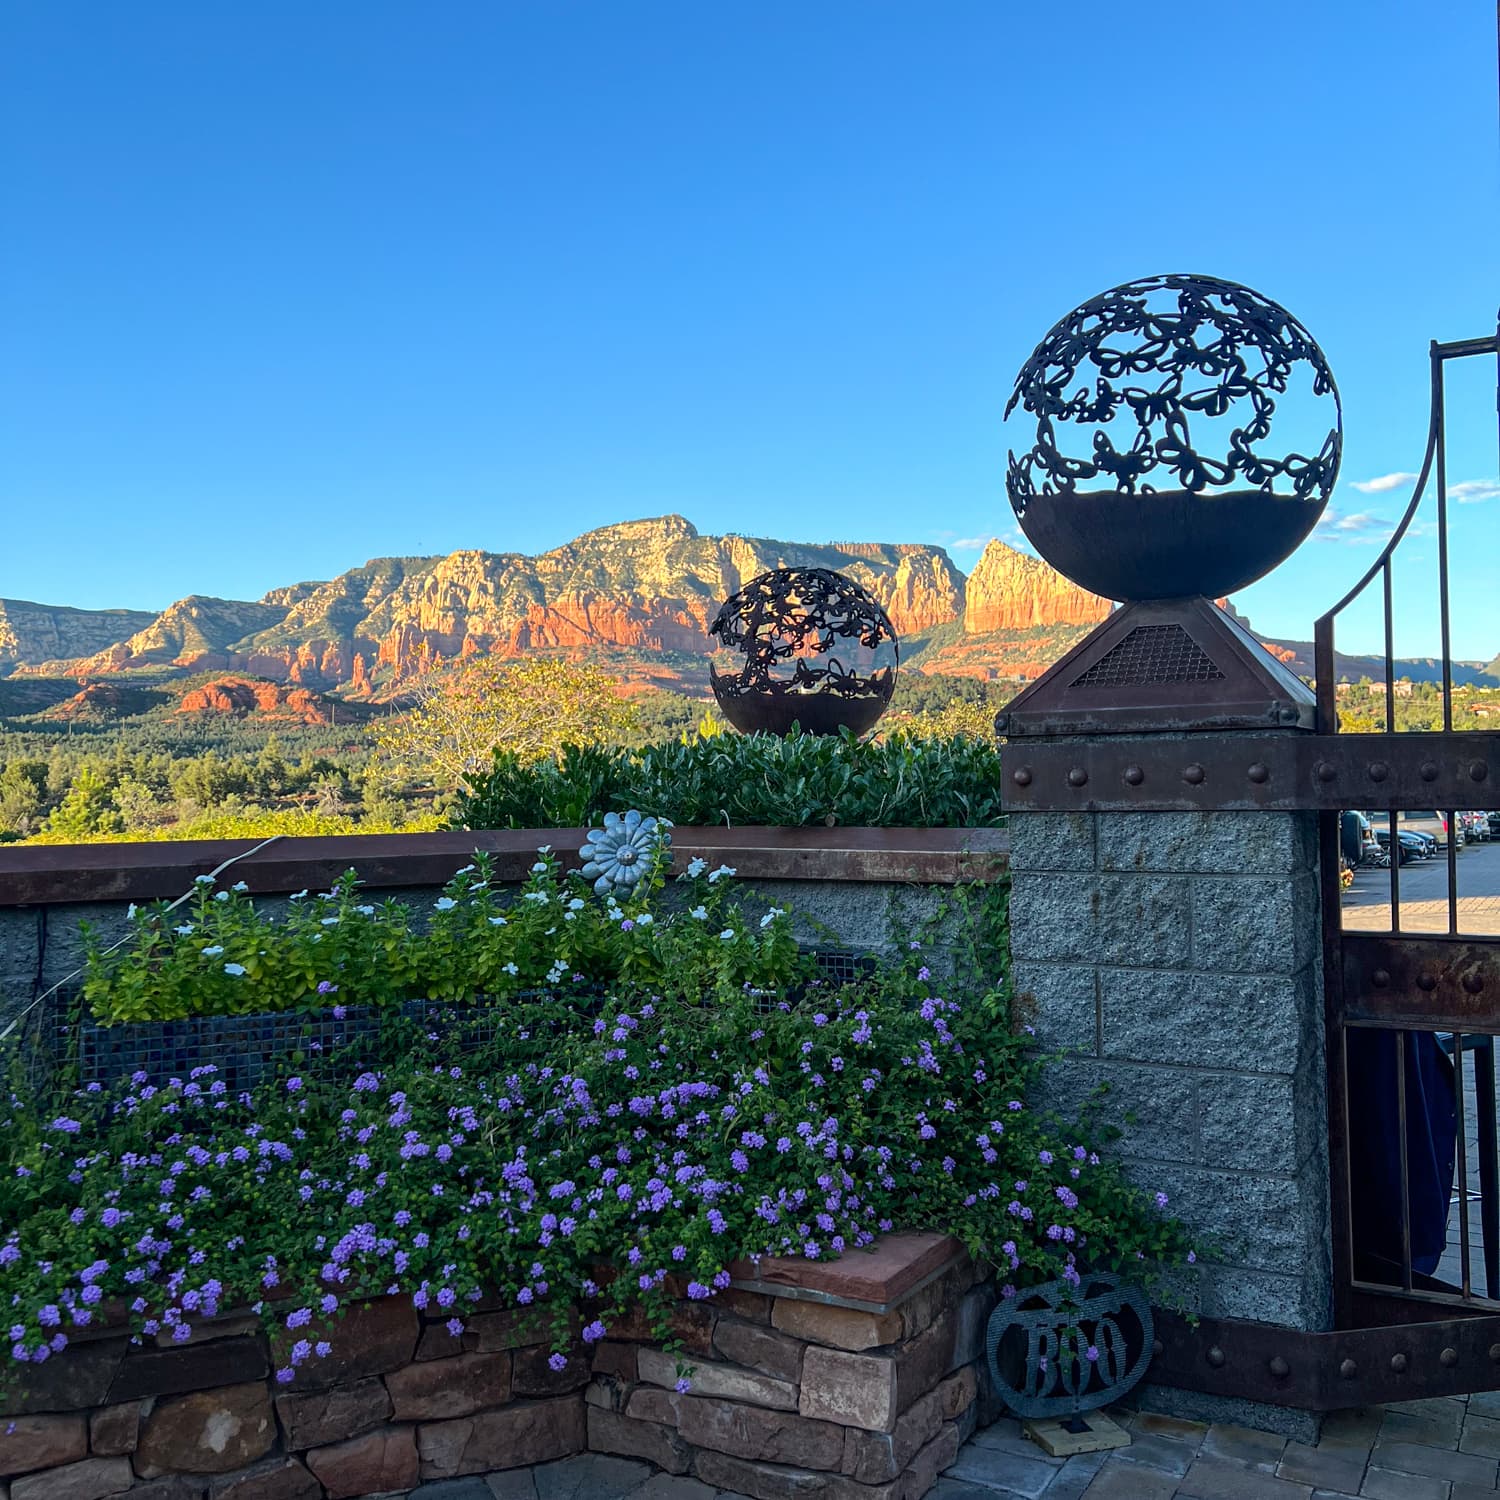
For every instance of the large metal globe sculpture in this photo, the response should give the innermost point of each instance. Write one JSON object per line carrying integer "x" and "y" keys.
{"x": 1153, "y": 473}
{"x": 804, "y": 646}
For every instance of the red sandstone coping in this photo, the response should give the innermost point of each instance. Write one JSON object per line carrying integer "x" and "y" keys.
{"x": 877, "y": 1280}
{"x": 49, "y": 874}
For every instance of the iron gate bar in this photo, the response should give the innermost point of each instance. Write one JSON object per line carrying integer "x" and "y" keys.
{"x": 1272, "y": 772}
{"x": 1324, "y": 1372}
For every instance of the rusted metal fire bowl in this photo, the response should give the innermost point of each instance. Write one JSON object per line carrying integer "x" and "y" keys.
{"x": 775, "y": 708}
{"x": 1169, "y": 544}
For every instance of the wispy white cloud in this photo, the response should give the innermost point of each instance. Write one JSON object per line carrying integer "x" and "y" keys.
{"x": 1358, "y": 529}
{"x": 971, "y": 543}
{"x": 1381, "y": 483}
{"x": 1472, "y": 490}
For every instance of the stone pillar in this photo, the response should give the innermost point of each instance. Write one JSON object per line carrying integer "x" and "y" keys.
{"x": 1176, "y": 956}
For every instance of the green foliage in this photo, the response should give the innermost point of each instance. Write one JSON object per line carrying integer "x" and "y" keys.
{"x": 661, "y": 1137}
{"x": 901, "y": 782}
{"x": 222, "y": 955}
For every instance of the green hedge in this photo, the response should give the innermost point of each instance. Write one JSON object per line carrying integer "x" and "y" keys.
{"x": 739, "y": 780}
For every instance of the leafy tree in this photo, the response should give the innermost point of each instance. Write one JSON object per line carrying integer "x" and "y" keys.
{"x": 531, "y": 708}
{"x": 85, "y": 812}
{"x": 23, "y": 789}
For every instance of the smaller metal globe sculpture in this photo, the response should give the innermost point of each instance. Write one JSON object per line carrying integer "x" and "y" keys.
{"x": 1152, "y": 474}
{"x": 810, "y": 647}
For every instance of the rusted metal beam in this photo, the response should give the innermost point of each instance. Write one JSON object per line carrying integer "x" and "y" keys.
{"x": 1267, "y": 772}
{"x": 1424, "y": 983}
{"x": 1328, "y": 1371}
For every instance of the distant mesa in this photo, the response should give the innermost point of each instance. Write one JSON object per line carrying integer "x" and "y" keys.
{"x": 637, "y": 597}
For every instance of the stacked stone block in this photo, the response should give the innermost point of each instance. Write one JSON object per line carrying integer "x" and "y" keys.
{"x": 861, "y": 1403}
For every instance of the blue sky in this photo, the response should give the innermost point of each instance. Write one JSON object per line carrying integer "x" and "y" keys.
{"x": 287, "y": 286}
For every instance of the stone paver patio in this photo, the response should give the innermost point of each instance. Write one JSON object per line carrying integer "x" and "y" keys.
{"x": 1443, "y": 1449}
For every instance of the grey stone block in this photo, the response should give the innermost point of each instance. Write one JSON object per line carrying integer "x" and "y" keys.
{"x": 590, "y": 1476}
{"x": 1264, "y": 1223}
{"x": 1289, "y": 1300}
{"x": 1141, "y": 920}
{"x": 1209, "y": 843}
{"x": 20, "y": 952}
{"x": 1247, "y": 1122}
{"x": 1255, "y": 926}
{"x": 1155, "y": 1109}
{"x": 453, "y": 1489}
{"x": 1245, "y": 1023}
{"x": 1060, "y": 1003}
{"x": 1009, "y": 1472}
{"x": 1051, "y": 841}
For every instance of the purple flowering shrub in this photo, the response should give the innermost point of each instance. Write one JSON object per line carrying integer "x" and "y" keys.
{"x": 580, "y": 1160}
{"x": 220, "y": 955}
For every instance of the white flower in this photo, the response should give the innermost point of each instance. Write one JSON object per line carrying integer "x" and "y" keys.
{"x": 535, "y": 896}
{"x": 576, "y": 904}
{"x": 544, "y": 848}
{"x": 213, "y": 952}
{"x": 700, "y": 913}
{"x": 329, "y": 922}
{"x": 365, "y": 911}
{"x": 696, "y": 867}
{"x": 239, "y": 885}
{"x": 570, "y": 916}
{"x": 235, "y": 969}
{"x": 714, "y": 875}
{"x": 726, "y": 935}
{"x": 497, "y": 921}
{"x": 539, "y": 868}
{"x": 467, "y": 870}
{"x": 297, "y": 896}
{"x": 203, "y": 880}
{"x": 444, "y": 903}
{"x": 645, "y": 919}
{"x": 771, "y": 916}
{"x": 511, "y": 969}
{"x": 221, "y": 895}
{"x": 130, "y": 912}
{"x": 183, "y": 930}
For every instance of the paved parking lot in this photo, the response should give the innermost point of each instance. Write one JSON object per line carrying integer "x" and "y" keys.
{"x": 1424, "y": 895}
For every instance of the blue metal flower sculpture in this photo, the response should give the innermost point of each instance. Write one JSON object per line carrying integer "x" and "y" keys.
{"x": 625, "y": 849}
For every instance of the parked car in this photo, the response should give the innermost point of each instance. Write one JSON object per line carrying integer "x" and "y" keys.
{"x": 1476, "y": 827}
{"x": 1414, "y": 845}
{"x": 1434, "y": 824}
{"x": 1494, "y": 822}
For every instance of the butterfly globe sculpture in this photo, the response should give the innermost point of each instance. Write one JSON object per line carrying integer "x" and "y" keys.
{"x": 803, "y": 646}
{"x": 1186, "y": 438}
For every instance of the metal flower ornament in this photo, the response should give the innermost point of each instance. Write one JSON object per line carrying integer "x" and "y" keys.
{"x": 618, "y": 856}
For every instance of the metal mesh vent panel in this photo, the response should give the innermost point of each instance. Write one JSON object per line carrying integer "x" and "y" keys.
{"x": 1151, "y": 654}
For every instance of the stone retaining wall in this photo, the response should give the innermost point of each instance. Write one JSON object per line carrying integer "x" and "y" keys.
{"x": 855, "y": 1379}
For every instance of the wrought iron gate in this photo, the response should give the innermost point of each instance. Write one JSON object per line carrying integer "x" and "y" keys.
{"x": 1412, "y": 1015}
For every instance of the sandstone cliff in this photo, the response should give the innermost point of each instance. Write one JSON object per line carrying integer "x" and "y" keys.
{"x": 1009, "y": 590}
{"x": 44, "y": 632}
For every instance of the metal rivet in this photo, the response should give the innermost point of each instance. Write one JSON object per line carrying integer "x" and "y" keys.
{"x": 1429, "y": 770}
{"x": 1077, "y": 776}
{"x": 1473, "y": 983}
{"x": 1279, "y": 1368}
{"x": 1398, "y": 1363}
{"x": 1348, "y": 1369}
{"x": 1194, "y": 775}
{"x": 1427, "y": 983}
{"x": 1379, "y": 770}
{"x": 1380, "y": 978}
{"x": 1216, "y": 1357}
{"x": 1495, "y": 1353}
{"x": 1258, "y": 774}
{"x": 1002, "y": 723}
{"x": 1157, "y": 1346}
{"x": 1327, "y": 770}
{"x": 1021, "y": 777}
{"x": 1287, "y": 714}
{"x": 1449, "y": 1357}
{"x": 1134, "y": 776}
{"x": 1478, "y": 770}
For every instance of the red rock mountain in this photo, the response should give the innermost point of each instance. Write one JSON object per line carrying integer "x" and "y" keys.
{"x": 639, "y": 595}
